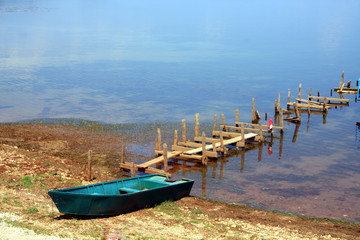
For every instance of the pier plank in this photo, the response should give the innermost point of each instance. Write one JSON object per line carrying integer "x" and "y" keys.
{"x": 159, "y": 159}
{"x": 330, "y": 99}
{"x": 149, "y": 170}
{"x": 226, "y": 142}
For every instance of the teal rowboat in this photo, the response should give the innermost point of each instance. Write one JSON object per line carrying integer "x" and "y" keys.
{"x": 120, "y": 196}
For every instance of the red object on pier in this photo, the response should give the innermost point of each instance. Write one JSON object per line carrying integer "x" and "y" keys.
{"x": 270, "y": 124}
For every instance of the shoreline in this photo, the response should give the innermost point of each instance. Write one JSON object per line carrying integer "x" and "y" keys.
{"x": 36, "y": 158}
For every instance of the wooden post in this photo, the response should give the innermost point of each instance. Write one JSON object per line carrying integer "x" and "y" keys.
{"x": 278, "y": 104}
{"x": 197, "y": 125}
{"x": 348, "y": 84}
{"x": 300, "y": 86}
{"x": 122, "y": 154}
{"x": 253, "y": 117}
{"x": 342, "y": 86}
{"x": 265, "y": 115}
{"x": 331, "y": 92}
{"x": 237, "y": 116}
{"x": 223, "y": 122}
{"x": 242, "y": 135}
{"x": 175, "y": 137}
{"x": 275, "y": 107}
{"x": 298, "y": 116}
{"x": 281, "y": 121}
{"x": 260, "y": 133}
{"x": 183, "y": 130}
{"x": 309, "y": 91}
{"x": 89, "y": 165}
{"x": 289, "y": 92}
{"x": 257, "y": 114}
{"x": 215, "y": 119}
{"x": 203, "y": 156}
{"x": 318, "y": 95}
{"x": 324, "y": 106}
{"x": 342, "y": 79}
{"x": 132, "y": 169}
{"x": 165, "y": 157}
{"x": 159, "y": 139}
{"x": 214, "y": 146}
{"x": 222, "y": 142}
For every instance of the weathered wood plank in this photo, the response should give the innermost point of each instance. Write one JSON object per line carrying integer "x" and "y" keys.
{"x": 306, "y": 105}
{"x": 180, "y": 148}
{"x": 246, "y": 129}
{"x": 158, "y": 159}
{"x": 146, "y": 170}
{"x": 329, "y": 99}
{"x": 226, "y": 134}
{"x": 226, "y": 142}
{"x": 189, "y": 144}
{"x": 208, "y": 140}
{"x": 308, "y": 101}
{"x": 346, "y": 89}
{"x": 184, "y": 149}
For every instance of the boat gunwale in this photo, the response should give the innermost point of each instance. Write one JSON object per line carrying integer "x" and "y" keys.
{"x": 68, "y": 191}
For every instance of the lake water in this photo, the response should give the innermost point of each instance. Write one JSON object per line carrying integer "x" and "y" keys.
{"x": 147, "y": 61}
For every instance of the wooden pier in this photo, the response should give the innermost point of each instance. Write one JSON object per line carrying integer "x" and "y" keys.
{"x": 346, "y": 88}
{"x": 224, "y": 136}
{"x": 203, "y": 148}
{"x": 311, "y": 105}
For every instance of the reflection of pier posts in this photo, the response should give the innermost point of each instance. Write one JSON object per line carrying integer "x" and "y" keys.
{"x": 242, "y": 161}
{"x": 183, "y": 171}
{"x": 308, "y": 124}
{"x": 222, "y": 163}
{"x": 214, "y": 170}
{"x": 297, "y": 126}
{"x": 324, "y": 118}
{"x": 260, "y": 152}
{"x": 281, "y": 144}
{"x": 203, "y": 174}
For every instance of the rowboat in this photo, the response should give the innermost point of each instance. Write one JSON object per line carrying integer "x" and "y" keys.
{"x": 120, "y": 196}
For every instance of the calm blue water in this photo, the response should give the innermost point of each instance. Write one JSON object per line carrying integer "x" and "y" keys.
{"x": 143, "y": 61}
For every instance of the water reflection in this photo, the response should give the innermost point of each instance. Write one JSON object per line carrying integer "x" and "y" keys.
{"x": 357, "y": 136}
{"x": 300, "y": 182}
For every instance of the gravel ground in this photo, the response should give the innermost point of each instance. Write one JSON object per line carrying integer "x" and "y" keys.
{"x": 8, "y": 232}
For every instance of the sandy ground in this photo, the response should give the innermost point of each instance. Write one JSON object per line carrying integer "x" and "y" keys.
{"x": 36, "y": 158}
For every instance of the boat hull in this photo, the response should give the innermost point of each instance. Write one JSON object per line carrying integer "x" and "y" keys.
{"x": 121, "y": 196}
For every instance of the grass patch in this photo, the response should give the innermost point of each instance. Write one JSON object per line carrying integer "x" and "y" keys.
{"x": 196, "y": 211}
{"x": 6, "y": 201}
{"x": 194, "y": 221}
{"x": 14, "y": 203}
{"x": 17, "y": 203}
{"x": 31, "y": 210}
{"x": 25, "y": 182}
{"x": 168, "y": 207}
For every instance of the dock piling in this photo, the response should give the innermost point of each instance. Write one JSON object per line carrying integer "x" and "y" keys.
{"x": 197, "y": 125}
{"x": 223, "y": 121}
{"x": 165, "y": 157}
{"x": 215, "y": 120}
{"x": 183, "y": 130}
{"x": 175, "y": 137}
{"x": 122, "y": 154}
{"x": 89, "y": 165}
